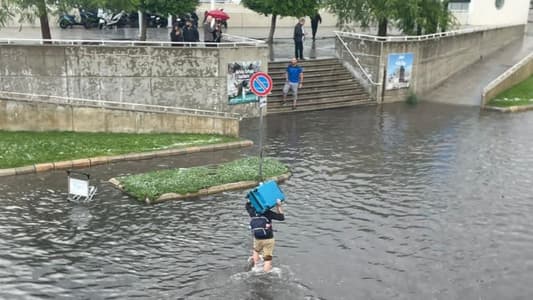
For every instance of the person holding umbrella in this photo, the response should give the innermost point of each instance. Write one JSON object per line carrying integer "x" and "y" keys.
{"x": 209, "y": 29}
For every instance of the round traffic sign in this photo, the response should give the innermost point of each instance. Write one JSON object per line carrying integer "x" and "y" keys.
{"x": 261, "y": 84}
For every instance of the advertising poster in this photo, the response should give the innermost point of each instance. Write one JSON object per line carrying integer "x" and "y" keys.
{"x": 239, "y": 74}
{"x": 399, "y": 70}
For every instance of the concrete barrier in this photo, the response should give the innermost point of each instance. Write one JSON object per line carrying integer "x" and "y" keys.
{"x": 39, "y": 116}
{"x": 436, "y": 57}
{"x": 189, "y": 77}
{"x": 514, "y": 75}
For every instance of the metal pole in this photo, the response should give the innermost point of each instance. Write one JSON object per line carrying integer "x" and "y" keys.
{"x": 260, "y": 140}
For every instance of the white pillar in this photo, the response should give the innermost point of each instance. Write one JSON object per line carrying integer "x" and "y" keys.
{"x": 169, "y": 25}
{"x": 212, "y": 4}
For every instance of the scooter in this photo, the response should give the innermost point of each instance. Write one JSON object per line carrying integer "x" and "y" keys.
{"x": 67, "y": 20}
{"x": 88, "y": 19}
{"x": 109, "y": 20}
{"x": 156, "y": 21}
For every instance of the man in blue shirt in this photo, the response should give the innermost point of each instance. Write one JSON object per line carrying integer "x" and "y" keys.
{"x": 294, "y": 78}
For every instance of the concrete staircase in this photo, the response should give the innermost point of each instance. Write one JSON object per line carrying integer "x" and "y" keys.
{"x": 327, "y": 84}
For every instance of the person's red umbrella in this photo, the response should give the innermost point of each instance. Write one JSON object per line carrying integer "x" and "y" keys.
{"x": 218, "y": 14}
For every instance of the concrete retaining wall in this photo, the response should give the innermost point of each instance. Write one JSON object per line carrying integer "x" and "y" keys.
{"x": 514, "y": 75}
{"x": 435, "y": 60}
{"x": 438, "y": 59}
{"x": 170, "y": 76}
{"x": 37, "y": 116}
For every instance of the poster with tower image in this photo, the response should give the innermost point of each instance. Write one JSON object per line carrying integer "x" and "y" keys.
{"x": 399, "y": 70}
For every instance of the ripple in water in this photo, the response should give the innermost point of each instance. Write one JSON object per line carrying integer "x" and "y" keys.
{"x": 431, "y": 202}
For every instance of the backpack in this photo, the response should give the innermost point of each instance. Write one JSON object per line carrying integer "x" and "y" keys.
{"x": 261, "y": 227}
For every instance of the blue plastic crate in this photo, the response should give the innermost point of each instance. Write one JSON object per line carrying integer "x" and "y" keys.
{"x": 265, "y": 196}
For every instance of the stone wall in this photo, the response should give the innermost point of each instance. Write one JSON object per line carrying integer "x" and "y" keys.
{"x": 171, "y": 76}
{"x": 513, "y": 76}
{"x": 435, "y": 59}
{"x": 39, "y": 116}
{"x": 438, "y": 59}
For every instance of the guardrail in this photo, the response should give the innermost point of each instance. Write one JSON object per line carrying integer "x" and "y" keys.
{"x": 419, "y": 37}
{"x": 230, "y": 41}
{"x": 356, "y": 60}
{"x": 5, "y": 95}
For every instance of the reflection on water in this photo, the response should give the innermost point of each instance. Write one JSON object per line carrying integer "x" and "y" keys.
{"x": 426, "y": 202}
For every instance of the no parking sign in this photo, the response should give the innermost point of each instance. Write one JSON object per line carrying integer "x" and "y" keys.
{"x": 261, "y": 84}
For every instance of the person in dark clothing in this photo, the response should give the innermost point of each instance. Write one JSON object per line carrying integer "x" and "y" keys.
{"x": 261, "y": 225}
{"x": 314, "y": 23}
{"x": 209, "y": 29}
{"x": 190, "y": 33}
{"x": 299, "y": 35}
{"x": 176, "y": 35}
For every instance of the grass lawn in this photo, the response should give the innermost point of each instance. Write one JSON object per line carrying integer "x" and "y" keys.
{"x": 190, "y": 180}
{"x": 520, "y": 94}
{"x": 22, "y": 148}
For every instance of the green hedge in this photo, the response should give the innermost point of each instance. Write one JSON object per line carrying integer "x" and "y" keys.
{"x": 190, "y": 180}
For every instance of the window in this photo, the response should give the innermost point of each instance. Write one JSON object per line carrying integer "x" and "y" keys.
{"x": 458, "y": 6}
{"x": 499, "y": 3}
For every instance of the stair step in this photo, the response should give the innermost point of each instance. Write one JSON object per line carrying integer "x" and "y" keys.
{"x": 337, "y": 72}
{"x": 278, "y": 86}
{"x": 322, "y": 91}
{"x": 288, "y": 108}
{"x": 327, "y": 84}
{"x": 318, "y": 100}
{"x": 311, "y": 71}
{"x": 315, "y": 79}
{"x": 304, "y": 63}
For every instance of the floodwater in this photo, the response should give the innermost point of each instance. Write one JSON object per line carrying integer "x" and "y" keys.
{"x": 393, "y": 202}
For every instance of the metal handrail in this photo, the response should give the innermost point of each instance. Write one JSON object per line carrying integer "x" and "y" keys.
{"x": 356, "y": 59}
{"x": 114, "y": 104}
{"x": 420, "y": 37}
{"x": 244, "y": 41}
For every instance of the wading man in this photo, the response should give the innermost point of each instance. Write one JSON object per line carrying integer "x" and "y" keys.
{"x": 263, "y": 233}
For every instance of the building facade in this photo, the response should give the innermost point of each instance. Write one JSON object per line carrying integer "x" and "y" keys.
{"x": 490, "y": 12}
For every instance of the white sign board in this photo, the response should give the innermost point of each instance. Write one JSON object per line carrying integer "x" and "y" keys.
{"x": 262, "y": 101}
{"x": 78, "y": 187}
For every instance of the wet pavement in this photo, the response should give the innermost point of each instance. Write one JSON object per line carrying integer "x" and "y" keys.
{"x": 392, "y": 202}
{"x": 465, "y": 87}
{"x": 282, "y": 48}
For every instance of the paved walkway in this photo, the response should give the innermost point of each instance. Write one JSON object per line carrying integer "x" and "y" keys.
{"x": 282, "y": 49}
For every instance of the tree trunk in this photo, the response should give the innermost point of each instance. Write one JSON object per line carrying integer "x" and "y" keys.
{"x": 43, "y": 18}
{"x": 272, "y": 29}
{"x": 382, "y": 27}
{"x": 142, "y": 34}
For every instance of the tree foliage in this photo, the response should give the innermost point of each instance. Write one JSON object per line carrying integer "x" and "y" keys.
{"x": 411, "y": 16}
{"x": 29, "y": 10}
{"x": 282, "y": 8}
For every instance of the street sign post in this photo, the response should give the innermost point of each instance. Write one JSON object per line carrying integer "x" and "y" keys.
{"x": 261, "y": 86}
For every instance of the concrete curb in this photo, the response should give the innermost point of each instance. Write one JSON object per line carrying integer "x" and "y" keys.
{"x": 101, "y": 160}
{"x": 203, "y": 192}
{"x": 510, "y": 108}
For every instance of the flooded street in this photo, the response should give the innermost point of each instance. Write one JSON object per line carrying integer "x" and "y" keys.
{"x": 425, "y": 202}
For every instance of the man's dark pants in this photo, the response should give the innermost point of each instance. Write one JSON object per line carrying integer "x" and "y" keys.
{"x": 314, "y": 27}
{"x": 299, "y": 50}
